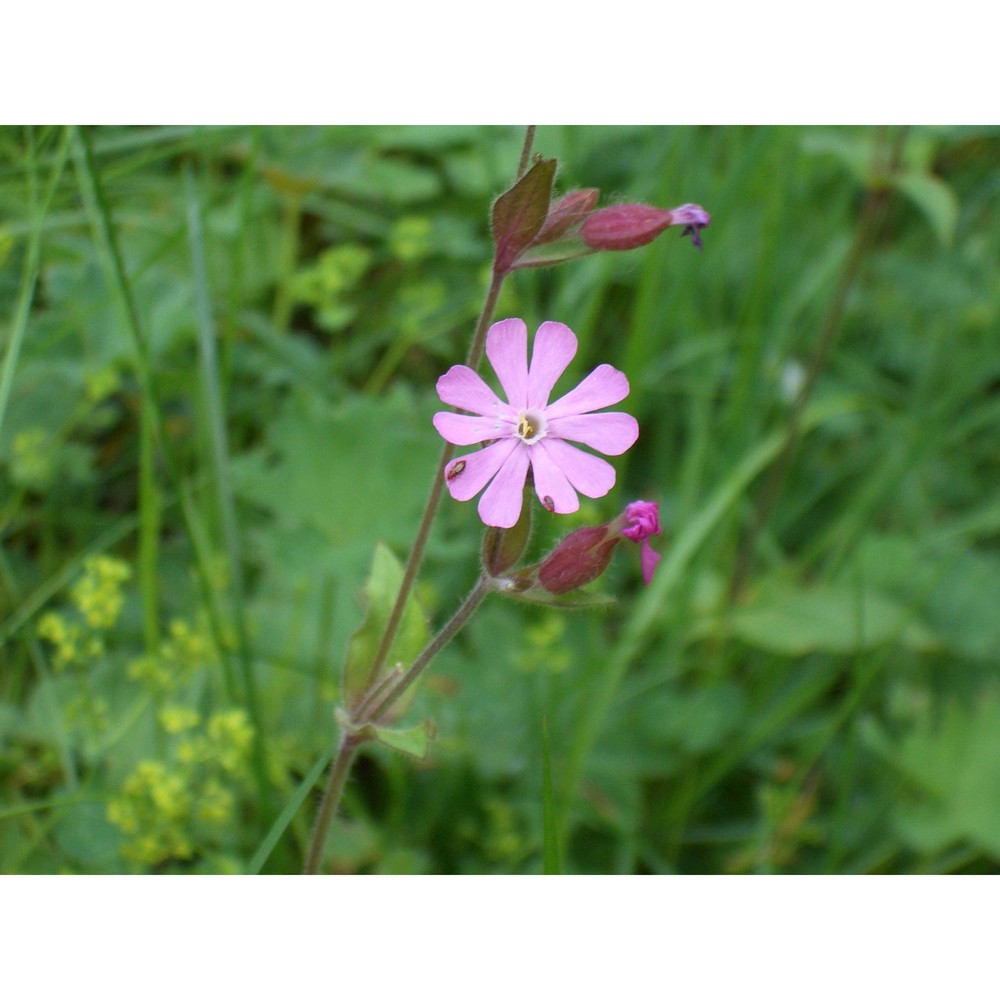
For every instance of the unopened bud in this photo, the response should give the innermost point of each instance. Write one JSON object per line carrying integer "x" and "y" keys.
{"x": 568, "y": 212}
{"x": 580, "y": 557}
{"x": 584, "y": 554}
{"x": 503, "y": 547}
{"x": 642, "y": 519}
{"x": 625, "y": 227}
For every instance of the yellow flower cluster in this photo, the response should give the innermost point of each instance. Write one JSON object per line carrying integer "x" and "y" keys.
{"x": 98, "y": 593}
{"x": 181, "y": 653}
{"x": 152, "y": 811}
{"x": 66, "y": 638}
{"x": 171, "y": 812}
{"x": 410, "y": 238}
{"x": 327, "y": 284}
{"x": 78, "y": 635}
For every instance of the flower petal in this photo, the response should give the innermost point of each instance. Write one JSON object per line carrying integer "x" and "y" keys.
{"x": 602, "y": 387}
{"x": 500, "y": 505}
{"x": 608, "y": 433}
{"x": 553, "y": 488}
{"x": 649, "y": 560}
{"x": 460, "y": 386}
{"x": 553, "y": 350}
{"x": 507, "y": 349}
{"x": 467, "y": 475}
{"x": 460, "y": 429}
{"x": 591, "y": 475}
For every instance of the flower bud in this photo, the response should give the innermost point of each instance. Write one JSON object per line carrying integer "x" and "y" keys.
{"x": 580, "y": 557}
{"x": 624, "y": 227}
{"x": 584, "y": 554}
{"x": 642, "y": 519}
{"x": 503, "y": 547}
{"x": 567, "y": 212}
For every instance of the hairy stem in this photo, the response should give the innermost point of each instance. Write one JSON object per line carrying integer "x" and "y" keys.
{"x": 529, "y": 139}
{"x": 472, "y": 359}
{"x": 375, "y": 708}
{"x": 336, "y": 779}
{"x": 437, "y": 489}
{"x": 381, "y": 699}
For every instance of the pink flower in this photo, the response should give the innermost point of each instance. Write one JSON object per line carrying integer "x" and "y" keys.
{"x": 529, "y": 431}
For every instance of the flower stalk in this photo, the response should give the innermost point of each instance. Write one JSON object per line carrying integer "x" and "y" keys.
{"x": 525, "y": 450}
{"x": 374, "y": 709}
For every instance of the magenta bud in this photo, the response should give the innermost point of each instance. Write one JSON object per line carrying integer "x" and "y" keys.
{"x": 580, "y": 557}
{"x": 642, "y": 519}
{"x": 625, "y": 227}
{"x": 584, "y": 554}
{"x": 569, "y": 211}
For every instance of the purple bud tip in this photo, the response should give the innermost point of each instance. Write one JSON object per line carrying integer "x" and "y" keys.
{"x": 642, "y": 519}
{"x": 693, "y": 218}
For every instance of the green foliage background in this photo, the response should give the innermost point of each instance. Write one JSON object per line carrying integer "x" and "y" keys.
{"x": 219, "y": 355}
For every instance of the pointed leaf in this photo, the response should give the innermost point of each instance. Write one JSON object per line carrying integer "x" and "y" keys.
{"x": 549, "y": 254}
{"x": 379, "y": 596}
{"x": 520, "y": 213}
{"x": 415, "y": 741}
{"x": 935, "y": 199}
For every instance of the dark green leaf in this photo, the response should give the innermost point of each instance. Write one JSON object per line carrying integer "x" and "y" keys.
{"x": 518, "y": 214}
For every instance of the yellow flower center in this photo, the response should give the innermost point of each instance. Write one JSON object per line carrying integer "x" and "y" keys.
{"x": 531, "y": 426}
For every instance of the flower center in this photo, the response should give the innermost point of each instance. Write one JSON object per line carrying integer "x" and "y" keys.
{"x": 531, "y": 426}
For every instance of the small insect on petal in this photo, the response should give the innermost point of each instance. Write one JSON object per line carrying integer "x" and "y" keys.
{"x": 455, "y": 471}
{"x": 549, "y": 504}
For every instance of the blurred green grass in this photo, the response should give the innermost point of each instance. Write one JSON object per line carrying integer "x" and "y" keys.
{"x": 219, "y": 352}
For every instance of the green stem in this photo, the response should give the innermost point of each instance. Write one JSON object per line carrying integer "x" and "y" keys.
{"x": 375, "y": 706}
{"x": 529, "y": 139}
{"x": 335, "y": 781}
{"x": 437, "y": 488}
{"x": 472, "y": 360}
{"x": 373, "y": 710}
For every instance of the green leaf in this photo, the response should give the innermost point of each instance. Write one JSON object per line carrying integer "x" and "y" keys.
{"x": 380, "y": 595}
{"x": 935, "y": 200}
{"x": 325, "y": 466}
{"x": 415, "y": 741}
{"x": 83, "y": 832}
{"x": 851, "y": 148}
{"x": 787, "y": 617}
{"x": 518, "y": 214}
{"x": 953, "y": 763}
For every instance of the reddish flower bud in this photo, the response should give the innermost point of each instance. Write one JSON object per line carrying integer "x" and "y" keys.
{"x": 567, "y": 212}
{"x": 580, "y": 557}
{"x": 624, "y": 227}
{"x": 584, "y": 554}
